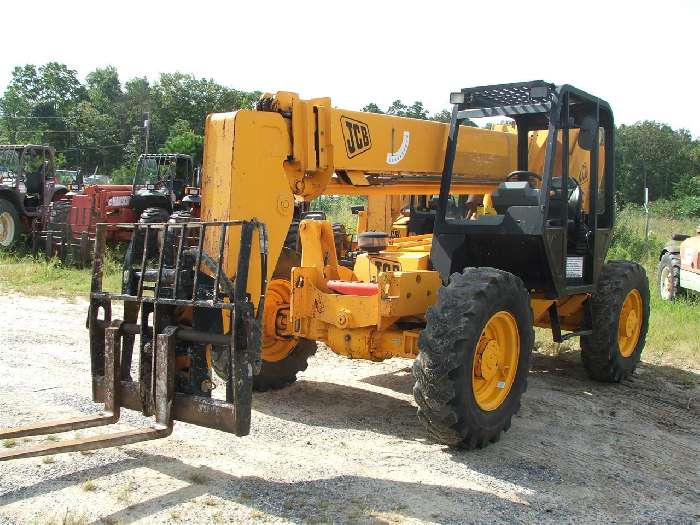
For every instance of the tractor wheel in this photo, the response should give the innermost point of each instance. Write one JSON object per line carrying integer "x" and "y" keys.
{"x": 135, "y": 247}
{"x": 291, "y": 241}
{"x": 59, "y": 211}
{"x": 474, "y": 357}
{"x": 10, "y": 225}
{"x": 172, "y": 238}
{"x": 154, "y": 216}
{"x": 283, "y": 356}
{"x": 669, "y": 277}
{"x": 620, "y": 310}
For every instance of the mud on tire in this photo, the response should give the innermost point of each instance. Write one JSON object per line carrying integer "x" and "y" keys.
{"x": 600, "y": 351}
{"x": 447, "y": 405}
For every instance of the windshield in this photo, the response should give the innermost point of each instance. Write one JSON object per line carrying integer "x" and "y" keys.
{"x": 9, "y": 164}
{"x": 152, "y": 171}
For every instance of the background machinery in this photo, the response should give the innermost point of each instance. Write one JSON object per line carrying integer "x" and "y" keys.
{"x": 28, "y": 184}
{"x": 163, "y": 184}
{"x": 227, "y": 294}
{"x": 679, "y": 267}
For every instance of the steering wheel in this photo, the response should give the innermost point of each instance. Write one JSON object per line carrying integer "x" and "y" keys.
{"x": 571, "y": 188}
{"x": 160, "y": 183}
{"x": 523, "y": 176}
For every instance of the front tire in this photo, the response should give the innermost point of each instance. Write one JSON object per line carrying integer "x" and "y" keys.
{"x": 620, "y": 310}
{"x": 10, "y": 225}
{"x": 134, "y": 249}
{"x": 668, "y": 277}
{"x": 474, "y": 357}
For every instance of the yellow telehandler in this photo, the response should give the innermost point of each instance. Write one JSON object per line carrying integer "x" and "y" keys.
{"x": 227, "y": 294}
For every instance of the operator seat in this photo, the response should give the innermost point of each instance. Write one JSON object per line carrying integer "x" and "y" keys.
{"x": 518, "y": 192}
{"x": 34, "y": 181}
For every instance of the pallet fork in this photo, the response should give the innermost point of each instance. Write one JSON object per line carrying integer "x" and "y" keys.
{"x": 112, "y": 341}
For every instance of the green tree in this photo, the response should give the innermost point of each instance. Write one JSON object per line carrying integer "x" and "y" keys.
{"x": 654, "y": 152}
{"x": 96, "y": 139}
{"x": 105, "y": 90}
{"x": 372, "y": 108}
{"x": 177, "y": 96}
{"x": 36, "y": 102}
{"x": 183, "y": 140}
{"x": 415, "y": 110}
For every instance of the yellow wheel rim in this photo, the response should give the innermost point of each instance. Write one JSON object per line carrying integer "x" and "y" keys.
{"x": 629, "y": 326}
{"x": 278, "y": 341}
{"x": 495, "y": 362}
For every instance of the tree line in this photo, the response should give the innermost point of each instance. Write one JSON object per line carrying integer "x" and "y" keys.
{"x": 99, "y": 124}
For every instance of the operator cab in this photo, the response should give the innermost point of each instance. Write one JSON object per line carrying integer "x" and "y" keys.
{"x": 30, "y": 171}
{"x": 161, "y": 180}
{"x": 553, "y": 209}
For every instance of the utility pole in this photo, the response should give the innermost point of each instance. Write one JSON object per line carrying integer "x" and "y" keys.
{"x": 646, "y": 202}
{"x": 147, "y": 126}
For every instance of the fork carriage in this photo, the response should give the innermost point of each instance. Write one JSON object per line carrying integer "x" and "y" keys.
{"x": 181, "y": 303}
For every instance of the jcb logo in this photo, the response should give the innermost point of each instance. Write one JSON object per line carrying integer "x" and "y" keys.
{"x": 356, "y": 135}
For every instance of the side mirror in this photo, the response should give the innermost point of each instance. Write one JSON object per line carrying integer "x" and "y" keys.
{"x": 588, "y": 133}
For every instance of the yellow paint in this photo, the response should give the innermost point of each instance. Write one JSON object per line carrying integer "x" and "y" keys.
{"x": 278, "y": 341}
{"x": 256, "y": 163}
{"x": 239, "y": 147}
{"x": 630, "y": 323}
{"x": 495, "y": 362}
{"x": 570, "y": 311}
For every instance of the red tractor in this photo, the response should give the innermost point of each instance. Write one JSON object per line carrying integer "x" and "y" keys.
{"x": 163, "y": 184}
{"x": 679, "y": 267}
{"x": 28, "y": 185}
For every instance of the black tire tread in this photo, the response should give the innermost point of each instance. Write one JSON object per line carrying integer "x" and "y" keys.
{"x": 440, "y": 367}
{"x": 599, "y": 351}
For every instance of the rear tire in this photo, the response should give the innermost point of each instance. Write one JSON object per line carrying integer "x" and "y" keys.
{"x": 451, "y": 368}
{"x": 59, "y": 211}
{"x": 668, "y": 278}
{"x": 135, "y": 246}
{"x": 278, "y": 374}
{"x": 612, "y": 351}
{"x": 10, "y": 225}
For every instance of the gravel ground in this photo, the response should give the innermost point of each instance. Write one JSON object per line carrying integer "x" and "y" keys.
{"x": 343, "y": 445}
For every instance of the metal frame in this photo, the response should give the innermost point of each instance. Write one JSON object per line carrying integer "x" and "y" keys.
{"x": 165, "y": 157}
{"x": 111, "y": 343}
{"x": 458, "y": 243}
{"x": 46, "y": 193}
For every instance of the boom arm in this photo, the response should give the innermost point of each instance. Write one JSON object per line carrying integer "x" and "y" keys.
{"x": 257, "y": 162}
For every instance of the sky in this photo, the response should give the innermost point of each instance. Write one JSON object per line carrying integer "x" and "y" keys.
{"x": 641, "y": 56}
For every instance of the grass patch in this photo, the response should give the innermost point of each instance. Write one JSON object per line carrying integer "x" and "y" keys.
{"x": 125, "y": 492}
{"x": 672, "y": 338}
{"x": 88, "y": 485}
{"x": 9, "y": 443}
{"x": 69, "y": 518}
{"x": 21, "y": 272}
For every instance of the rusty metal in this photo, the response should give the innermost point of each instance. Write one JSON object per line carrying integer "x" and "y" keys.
{"x": 153, "y": 319}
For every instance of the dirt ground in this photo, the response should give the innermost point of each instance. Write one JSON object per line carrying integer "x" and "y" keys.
{"x": 343, "y": 445}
